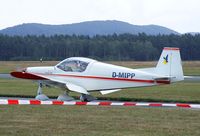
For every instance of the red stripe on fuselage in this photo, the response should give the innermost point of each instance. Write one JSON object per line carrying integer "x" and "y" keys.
{"x": 36, "y": 76}
{"x": 108, "y": 78}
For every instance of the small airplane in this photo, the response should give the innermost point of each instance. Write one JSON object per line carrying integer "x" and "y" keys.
{"x": 84, "y": 75}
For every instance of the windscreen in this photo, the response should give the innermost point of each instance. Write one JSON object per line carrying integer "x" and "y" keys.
{"x": 73, "y": 66}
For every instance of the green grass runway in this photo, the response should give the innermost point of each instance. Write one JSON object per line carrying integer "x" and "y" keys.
{"x": 23, "y": 120}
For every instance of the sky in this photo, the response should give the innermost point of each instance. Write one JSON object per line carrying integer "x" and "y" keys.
{"x": 180, "y": 15}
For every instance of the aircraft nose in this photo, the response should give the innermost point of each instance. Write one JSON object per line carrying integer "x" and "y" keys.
{"x": 19, "y": 73}
{"x": 24, "y": 69}
{"x": 21, "y": 69}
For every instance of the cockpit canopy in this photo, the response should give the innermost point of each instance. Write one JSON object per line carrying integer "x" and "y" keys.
{"x": 74, "y": 64}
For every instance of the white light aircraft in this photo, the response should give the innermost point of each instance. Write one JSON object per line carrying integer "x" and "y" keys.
{"x": 84, "y": 75}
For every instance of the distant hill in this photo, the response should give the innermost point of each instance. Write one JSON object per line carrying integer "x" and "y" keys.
{"x": 86, "y": 28}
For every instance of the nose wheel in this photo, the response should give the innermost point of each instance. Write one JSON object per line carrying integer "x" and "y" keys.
{"x": 40, "y": 96}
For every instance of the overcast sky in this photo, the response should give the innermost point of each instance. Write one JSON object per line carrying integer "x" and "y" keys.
{"x": 179, "y": 15}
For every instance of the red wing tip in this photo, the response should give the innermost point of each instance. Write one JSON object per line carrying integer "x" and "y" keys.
{"x": 15, "y": 73}
{"x": 25, "y": 75}
{"x": 171, "y": 48}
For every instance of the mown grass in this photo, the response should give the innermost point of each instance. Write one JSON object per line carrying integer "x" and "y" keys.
{"x": 101, "y": 121}
{"x": 179, "y": 92}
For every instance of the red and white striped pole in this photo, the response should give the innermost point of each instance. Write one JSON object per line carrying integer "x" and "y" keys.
{"x": 101, "y": 103}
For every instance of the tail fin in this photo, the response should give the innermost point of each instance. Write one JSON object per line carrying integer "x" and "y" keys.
{"x": 170, "y": 64}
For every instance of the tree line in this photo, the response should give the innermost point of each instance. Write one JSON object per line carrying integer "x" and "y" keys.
{"x": 140, "y": 47}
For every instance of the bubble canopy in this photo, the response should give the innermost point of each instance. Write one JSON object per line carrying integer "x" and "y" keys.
{"x": 74, "y": 64}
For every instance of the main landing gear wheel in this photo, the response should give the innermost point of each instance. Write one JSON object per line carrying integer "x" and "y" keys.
{"x": 87, "y": 98}
{"x": 65, "y": 97}
{"x": 40, "y": 95}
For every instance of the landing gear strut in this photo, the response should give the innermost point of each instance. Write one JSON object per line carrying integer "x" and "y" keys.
{"x": 40, "y": 95}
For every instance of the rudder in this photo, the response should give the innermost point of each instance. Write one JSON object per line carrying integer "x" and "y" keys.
{"x": 170, "y": 65}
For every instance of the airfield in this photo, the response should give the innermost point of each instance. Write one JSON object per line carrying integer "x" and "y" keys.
{"x": 142, "y": 112}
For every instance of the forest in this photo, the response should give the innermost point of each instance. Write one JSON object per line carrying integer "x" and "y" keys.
{"x": 124, "y": 47}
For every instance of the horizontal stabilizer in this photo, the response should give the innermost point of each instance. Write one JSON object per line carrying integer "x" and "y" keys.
{"x": 192, "y": 78}
{"x": 103, "y": 92}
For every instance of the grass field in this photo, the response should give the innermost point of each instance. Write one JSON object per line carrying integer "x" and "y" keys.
{"x": 24, "y": 120}
{"x": 98, "y": 121}
{"x": 180, "y": 92}
{"x": 183, "y": 92}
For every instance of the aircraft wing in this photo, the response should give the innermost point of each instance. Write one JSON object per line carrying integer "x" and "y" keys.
{"x": 51, "y": 80}
{"x": 70, "y": 86}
